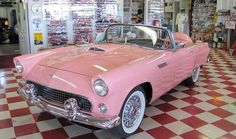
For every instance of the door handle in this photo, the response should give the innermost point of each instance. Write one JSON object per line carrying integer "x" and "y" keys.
{"x": 162, "y": 65}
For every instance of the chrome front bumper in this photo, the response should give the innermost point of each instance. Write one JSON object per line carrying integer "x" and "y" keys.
{"x": 104, "y": 123}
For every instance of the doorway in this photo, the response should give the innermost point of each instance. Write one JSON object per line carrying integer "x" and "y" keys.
{"x": 9, "y": 39}
{"x": 12, "y": 38}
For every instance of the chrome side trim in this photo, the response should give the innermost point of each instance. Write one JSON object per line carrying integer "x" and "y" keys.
{"x": 104, "y": 123}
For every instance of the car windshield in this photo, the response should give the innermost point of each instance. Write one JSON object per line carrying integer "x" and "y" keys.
{"x": 142, "y": 36}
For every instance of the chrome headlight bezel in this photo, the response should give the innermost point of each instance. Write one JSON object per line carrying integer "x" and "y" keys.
{"x": 100, "y": 87}
{"x": 19, "y": 67}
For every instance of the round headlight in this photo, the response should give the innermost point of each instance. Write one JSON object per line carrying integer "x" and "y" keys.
{"x": 19, "y": 67}
{"x": 100, "y": 87}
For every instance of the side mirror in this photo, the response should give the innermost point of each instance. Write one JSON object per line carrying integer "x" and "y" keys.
{"x": 100, "y": 37}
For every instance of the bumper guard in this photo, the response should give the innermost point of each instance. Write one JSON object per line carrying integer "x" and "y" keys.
{"x": 104, "y": 123}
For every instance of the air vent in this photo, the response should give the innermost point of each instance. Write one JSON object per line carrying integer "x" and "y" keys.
{"x": 96, "y": 49}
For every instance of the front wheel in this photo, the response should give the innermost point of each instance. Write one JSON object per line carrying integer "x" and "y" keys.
{"x": 132, "y": 112}
{"x": 194, "y": 77}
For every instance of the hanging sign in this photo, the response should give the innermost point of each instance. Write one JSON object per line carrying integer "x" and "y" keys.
{"x": 230, "y": 24}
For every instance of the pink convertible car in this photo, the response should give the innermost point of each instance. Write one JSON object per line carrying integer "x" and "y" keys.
{"x": 109, "y": 83}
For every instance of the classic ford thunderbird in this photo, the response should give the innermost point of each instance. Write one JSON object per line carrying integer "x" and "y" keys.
{"x": 108, "y": 84}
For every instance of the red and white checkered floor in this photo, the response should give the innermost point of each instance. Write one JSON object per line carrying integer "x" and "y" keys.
{"x": 206, "y": 110}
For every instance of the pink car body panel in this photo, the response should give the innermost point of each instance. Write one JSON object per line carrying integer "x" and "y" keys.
{"x": 123, "y": 67}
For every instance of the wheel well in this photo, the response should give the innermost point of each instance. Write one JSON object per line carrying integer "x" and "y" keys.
{"x": 147, "y": 90}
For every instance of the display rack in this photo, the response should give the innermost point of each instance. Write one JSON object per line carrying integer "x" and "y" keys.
{"x": 57, "y": 33}
{"x": 56, "y": 14}
{"x": 107, "y": 12}
{"x": 203, "y": 21}
{"x": 82, "y": 13}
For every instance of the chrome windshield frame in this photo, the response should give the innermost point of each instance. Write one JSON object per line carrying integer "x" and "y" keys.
{"x": 170, "y": 34}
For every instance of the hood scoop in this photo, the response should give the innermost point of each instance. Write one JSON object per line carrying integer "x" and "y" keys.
{"x": 96, "y": 49}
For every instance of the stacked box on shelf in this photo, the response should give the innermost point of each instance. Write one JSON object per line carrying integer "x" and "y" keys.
{"x": 82, "y": 13}
{"x": 56, "y": 19}
{"x": 57, "y": 34}
{"x": 106, "y": 13}
{"x": 203, "y": 21}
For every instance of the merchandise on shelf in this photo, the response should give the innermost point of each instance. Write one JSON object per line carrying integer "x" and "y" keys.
{"x": 82, "y": 13}
{"x": 57, "y": 34}
{"x": 107, "y": 12}
{"x": 203, "y": 21}
{"x": 56, "y": 14}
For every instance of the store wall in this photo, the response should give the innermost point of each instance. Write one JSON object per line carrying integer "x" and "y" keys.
{"x": 225, "y": 4}
{"x": 3, "y": 12}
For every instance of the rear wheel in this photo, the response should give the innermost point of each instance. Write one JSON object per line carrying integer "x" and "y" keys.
{"x": 194, "y": 77}
{"x": 132, "y": 112}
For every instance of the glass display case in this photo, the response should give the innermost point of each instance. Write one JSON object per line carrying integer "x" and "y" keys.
{"x": 203, "y": 21}
{"x": 83, "y": 16}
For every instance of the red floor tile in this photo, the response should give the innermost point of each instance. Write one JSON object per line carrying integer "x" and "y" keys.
{"x": 232, "y": 89}
{"x": 211, "y": 87}
{"x": 226, "y": 125}
{"x": 191, "y": 92}
{"x": 11, "y": 89}
{"x": 42, "y": 116}
{"x": 20, "y": 112}
{"x": 221, "y": 112}
{"x": 233, "y": 95}
{"x": 54, "y": 134}
{"x": 168, "y": 98}
{"x": 194, "y": 122}
{"x": 213, "y": 94}
{"x": 224, "y": 78}
{"x": 161, "y": 133}
{"x": 209, "y": 81}
{"x": 164, "y": 119}
{"x": 194, "y": 134}
{"x": 3, "y": 107}
{"x": 228, "y": 83}
{"x": 2, "y": 96}
{"x": 6, "y": 123}
{"x": 193, "y": 110}
{"x": 26, "y": 129}
{"x": 165, "y": 107}
{"x": 15, "y": 99}
{"x": 11, "y": 81}
{"x": 191, "y": 100}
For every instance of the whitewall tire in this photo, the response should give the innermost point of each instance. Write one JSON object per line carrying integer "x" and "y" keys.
{"x": 194, "y": 77}
{"x": 132, "y": 112}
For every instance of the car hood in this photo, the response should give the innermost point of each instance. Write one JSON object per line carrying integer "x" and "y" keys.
{"x": 89, "y": 61}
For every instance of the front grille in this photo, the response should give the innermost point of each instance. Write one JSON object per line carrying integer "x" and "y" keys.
{"x": 59, "y": 97}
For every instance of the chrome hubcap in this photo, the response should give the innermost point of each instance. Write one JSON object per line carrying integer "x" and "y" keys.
{"x": 132, "y": 111}
{"x": 195, "y": 74}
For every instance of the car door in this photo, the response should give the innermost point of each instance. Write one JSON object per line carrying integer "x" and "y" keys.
{"x": 184, "y": 62}
{"x": 162, "y": 76}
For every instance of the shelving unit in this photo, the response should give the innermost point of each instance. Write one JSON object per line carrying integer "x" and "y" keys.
{"x": 107, "y": 12}
{"x": 203, "y": 21}
{"x": 82, "y": 14}
{"x": 56, "y": 16}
